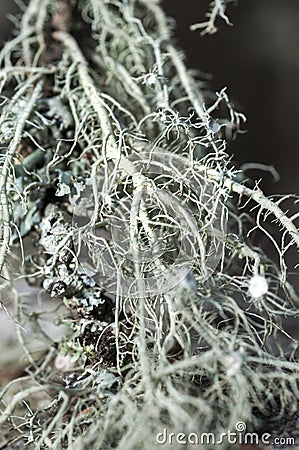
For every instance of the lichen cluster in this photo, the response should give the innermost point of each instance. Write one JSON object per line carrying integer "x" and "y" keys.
{"x": 114, "y": 167}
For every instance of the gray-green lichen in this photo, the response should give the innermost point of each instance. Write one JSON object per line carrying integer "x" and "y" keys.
{"x": 98, "y": 107}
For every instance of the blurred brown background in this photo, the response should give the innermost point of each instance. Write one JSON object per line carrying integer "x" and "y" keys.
{"x": 7, "y": 7}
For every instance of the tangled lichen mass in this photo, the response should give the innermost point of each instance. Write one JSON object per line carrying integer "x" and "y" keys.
{"x": 119, "y": 199}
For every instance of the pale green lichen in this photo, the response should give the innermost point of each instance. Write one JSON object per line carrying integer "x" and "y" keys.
{"x": 106, "y": 134}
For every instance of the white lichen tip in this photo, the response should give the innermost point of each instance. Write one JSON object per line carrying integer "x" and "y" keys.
{"x": 151, "y": 79}
{"x": 258, "y": 286}
{"x": 232, "y": 362}
{"x": 63, "y": 362}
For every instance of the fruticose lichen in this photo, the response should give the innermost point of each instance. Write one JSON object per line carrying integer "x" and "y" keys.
{"x": 114, "y": 167}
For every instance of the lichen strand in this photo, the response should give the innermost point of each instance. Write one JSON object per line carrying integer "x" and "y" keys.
{"x": 114, "y": 168}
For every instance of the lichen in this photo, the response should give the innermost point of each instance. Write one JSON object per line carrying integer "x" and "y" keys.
{"x": 115, "y": 168}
